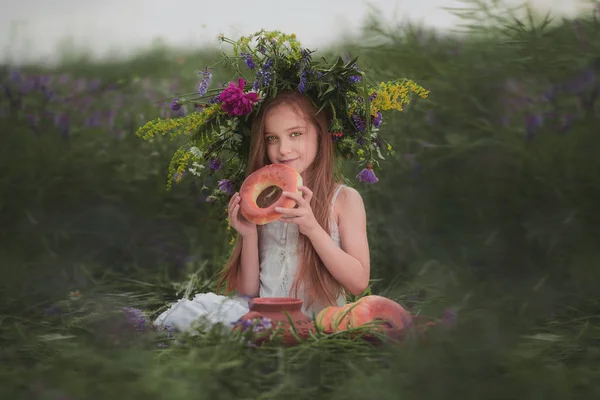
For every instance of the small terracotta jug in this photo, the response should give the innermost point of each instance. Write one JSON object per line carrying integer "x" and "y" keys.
{"x": 271, "y": 314}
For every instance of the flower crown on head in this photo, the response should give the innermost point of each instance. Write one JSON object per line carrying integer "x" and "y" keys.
{"x": 219, "y": 129}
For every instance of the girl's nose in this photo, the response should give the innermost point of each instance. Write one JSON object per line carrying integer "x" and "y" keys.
{"x": 284, "y": 147}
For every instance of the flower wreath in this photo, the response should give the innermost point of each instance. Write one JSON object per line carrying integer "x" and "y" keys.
{"x": 220, "y": 128}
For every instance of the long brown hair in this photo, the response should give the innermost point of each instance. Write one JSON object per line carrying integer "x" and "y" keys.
{"x": 320, "y": 177}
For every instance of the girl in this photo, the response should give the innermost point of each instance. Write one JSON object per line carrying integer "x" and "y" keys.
{"x": 317, "y": 251}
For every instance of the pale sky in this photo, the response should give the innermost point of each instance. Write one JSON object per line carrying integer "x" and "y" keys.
{"x": 126, "y": 25}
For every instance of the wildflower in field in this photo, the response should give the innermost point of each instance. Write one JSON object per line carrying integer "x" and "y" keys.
{"x": 175, "y": 105}
{"x": 136, "y": 318}
{"x": 532, "y": 123}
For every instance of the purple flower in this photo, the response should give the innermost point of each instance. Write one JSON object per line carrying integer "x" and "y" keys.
{"x": 532, "y": 123}
{"x": 263, "y": 324}
{"x": 215, "y": 164}
{"x": 263, "y": 76}
{"x": 566, "y": 122}
{"x": 355, "y": 78}
{"x": 367, "y": 175}
{"x": 175, "y": 106}
{"x": 549, "y": 94}
{"x": 93, "y": 120}
{"x": 136, "y": 318}
{"x": 248, "y": 59}
{"x": 225, "y": 185}
{"x": 302, "y": 84}
{"x": 449, "y": 318}
{"x": 205, "y": 82}
{"x": 377, "y": 120}
{"x": 63, "y": 124}
{"x": 359, "y": 122}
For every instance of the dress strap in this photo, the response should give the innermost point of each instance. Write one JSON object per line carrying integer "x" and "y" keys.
{"x": 335, "y": 194}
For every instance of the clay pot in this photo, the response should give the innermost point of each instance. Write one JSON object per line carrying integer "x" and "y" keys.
{"x": 270, "y": 314}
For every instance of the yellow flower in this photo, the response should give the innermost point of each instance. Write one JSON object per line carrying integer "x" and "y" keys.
{"x": 394, "y": 95}
{"x": 190, "y": 123}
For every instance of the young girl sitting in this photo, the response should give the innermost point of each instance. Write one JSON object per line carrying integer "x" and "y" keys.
{"x": 301, "y": 114}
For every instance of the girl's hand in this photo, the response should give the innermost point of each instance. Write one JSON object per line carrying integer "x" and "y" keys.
{"x": 302, "y": 215}
{"x": 241, "y": 226}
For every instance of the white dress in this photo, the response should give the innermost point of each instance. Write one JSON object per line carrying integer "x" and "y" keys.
{"x": 278, "y": 265}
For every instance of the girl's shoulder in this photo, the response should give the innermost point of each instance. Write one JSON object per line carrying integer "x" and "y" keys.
{"x": 347, "y": 202}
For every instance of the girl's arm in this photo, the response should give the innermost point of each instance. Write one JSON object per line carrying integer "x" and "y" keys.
{"x": 249, "y": 282}
{"x": 349, "y": 265}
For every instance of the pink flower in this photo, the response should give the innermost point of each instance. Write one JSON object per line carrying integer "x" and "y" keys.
{"x": 235, "y": 101}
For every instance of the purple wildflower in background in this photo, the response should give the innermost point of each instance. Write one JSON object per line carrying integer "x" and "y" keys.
{"x": 215, "y": 164}
{"x": 566, "y": 121}
{"x": 93, "y": 120}
{"x": 532, "y": 123}
{"x": 549, "y": 94}
{"x": 367, "y": 175}
{"x": 136, "y": 318}
{"x": 582, "y": 82}
{"x": 355, "y": 78}
{"x": 449, "y": 318}
{"x": 175, "y": 106}
{"x": 205, "y": 82}
{"x": 416, "y": 165}
{"x": 63, "y": 123}
{"x": 225, "y": 185}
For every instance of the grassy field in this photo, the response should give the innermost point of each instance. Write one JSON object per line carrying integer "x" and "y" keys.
{"x": 486, "y": 219}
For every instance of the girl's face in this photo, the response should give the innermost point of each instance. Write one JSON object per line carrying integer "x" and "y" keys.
{"x": 290, "y": 138}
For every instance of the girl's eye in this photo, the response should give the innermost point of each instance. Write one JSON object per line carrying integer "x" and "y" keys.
{"x": 296, "y": 133}
{"x": 270, "y": 138}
